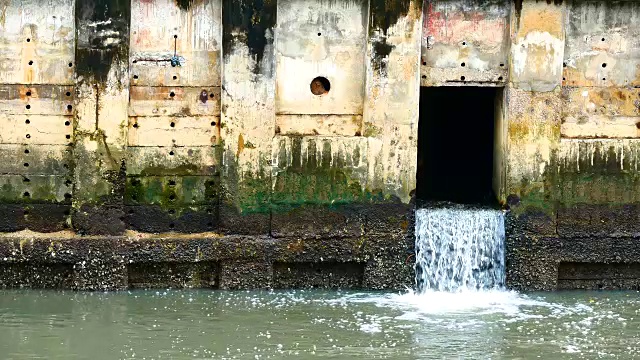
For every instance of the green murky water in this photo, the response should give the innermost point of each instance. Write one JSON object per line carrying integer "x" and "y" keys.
{"x": 309, "y": 324}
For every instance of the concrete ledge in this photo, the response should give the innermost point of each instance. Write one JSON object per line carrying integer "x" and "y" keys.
{"x": 534, "y": 260}
{"x": 587, "y": 220}
{"x": 230, "y": 262}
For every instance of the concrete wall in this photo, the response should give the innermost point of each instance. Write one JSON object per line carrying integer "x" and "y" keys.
{"x": 125, "y": 118}
{"x": 571, "y": 177}
{"x": 137, "y": 117}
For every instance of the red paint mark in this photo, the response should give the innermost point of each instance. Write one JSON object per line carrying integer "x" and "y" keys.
{"x": 147, "y": 5}
{"x": 455, "y": 26}
{"x": 143, "y": 38}
{"x": 433, "y": 20}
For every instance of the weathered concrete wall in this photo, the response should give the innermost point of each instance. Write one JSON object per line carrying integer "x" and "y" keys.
{"x": 565, "y": 149}
{"x": 163, "y": 116}
{"x": 572, "y": 182}
{"x": 266, "y": 126}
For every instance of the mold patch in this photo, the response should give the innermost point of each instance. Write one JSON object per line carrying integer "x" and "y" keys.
{"x": 250, "y": 22}
{"x": 102, "y": 36}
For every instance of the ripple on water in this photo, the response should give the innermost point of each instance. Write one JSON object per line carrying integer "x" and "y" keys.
{"x": 311, "y": 323}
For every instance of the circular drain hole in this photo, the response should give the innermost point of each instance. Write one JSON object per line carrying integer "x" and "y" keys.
{"x": 320, "y": 85}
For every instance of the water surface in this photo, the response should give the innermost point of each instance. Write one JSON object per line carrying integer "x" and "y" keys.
{"x": 308, "y": 324}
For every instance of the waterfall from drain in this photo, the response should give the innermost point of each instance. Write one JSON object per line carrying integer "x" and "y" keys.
{"x": 459, "y": 249}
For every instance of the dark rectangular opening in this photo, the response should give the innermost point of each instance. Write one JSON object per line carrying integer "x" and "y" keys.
{"x": 456, "y": 136}
{"x": 176, "y": 275}
{"x": 598, "y": 276}
{"x": 36, "y": 275}
{"x": 342, "y": 275}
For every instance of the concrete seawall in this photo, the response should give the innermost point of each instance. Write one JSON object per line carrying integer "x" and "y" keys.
{"x": 241, "y": 144}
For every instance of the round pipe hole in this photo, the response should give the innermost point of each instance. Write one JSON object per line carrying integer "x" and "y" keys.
{"x": 68, "y": 136}
{"x": 26, "y": 151}
{"x": 26, "y": 194}
{"x": 462, "y": 78}
{"x": 28, "y": 40}
{"x": 213, "y": 123}
{"x": 320, "y": 86}
{"x": 604, "y": 65}
{"x": 463, "y": 64}
{"x": 27, "y": 121}
{"x": 30, "y": 62}
{"x": 28, "y": 107}
{"x": 26, "y": 164}
{"x": 28, "y": 136}
{"x": 171, "y": 153}
{"x": 69, "y": 107}
{"x": 67, "y": 123}
{"x": 172, "y": 94}
{"x": 28, "y": 93}
{"x": 68, "y": 93}
{"x": 172, "y": 124}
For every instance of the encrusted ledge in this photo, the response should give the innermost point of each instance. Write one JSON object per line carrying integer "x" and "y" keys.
{"x": 210, "y": 260}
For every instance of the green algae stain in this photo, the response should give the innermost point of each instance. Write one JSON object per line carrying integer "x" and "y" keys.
{"x": 371, "y": 130}
{"x": 171, "y": 191}
{"x": 594, "y": 178}
{"x": 254, "y": 194}
{"x": 316, "y": 175}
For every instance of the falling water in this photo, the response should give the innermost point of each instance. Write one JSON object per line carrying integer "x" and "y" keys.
{"x": 459, "y": 248}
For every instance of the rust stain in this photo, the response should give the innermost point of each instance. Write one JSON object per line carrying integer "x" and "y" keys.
{"x": 518, "y": 131}
{"x": 296, "y": 247}
{"x": 541, "y": 17}
{"x": 240, "y": 145}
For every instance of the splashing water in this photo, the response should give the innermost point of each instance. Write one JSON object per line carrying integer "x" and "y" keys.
{"x": 459, "y": 249}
